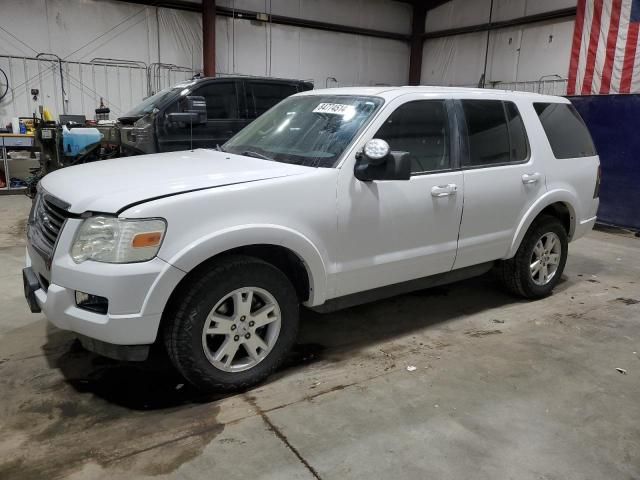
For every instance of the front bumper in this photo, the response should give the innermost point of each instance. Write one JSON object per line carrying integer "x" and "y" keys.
{"x": 137, "y": 293}
{"x": 35, "y": 296}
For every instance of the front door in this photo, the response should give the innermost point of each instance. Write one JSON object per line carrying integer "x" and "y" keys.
{"x": 395, "y": 231}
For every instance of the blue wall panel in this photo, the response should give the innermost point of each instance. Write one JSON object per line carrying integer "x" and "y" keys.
{"x": 614, "y": 123}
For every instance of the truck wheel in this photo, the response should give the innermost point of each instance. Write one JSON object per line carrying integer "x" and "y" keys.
{"x": 233, "y": 325}
{"x": 539, "y": 262}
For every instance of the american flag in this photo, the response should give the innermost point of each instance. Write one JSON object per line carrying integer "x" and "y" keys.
{"x": 604, "y": 53}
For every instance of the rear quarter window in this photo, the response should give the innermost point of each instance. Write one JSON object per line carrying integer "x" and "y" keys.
{"x": 567, "y": 133}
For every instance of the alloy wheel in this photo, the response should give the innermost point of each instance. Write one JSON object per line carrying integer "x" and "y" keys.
{"x": 241, "y": 329}
{"x": 545, "y": 258}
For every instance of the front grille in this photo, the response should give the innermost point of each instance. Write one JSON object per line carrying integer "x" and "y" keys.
{"x": 45, "y": 223}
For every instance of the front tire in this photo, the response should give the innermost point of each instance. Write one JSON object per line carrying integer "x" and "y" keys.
{"x": 539, "y": 262}
{"x": 231, "y": 326}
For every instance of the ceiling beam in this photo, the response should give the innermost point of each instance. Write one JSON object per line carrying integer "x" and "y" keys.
{"x": 174, "y": 4}
{"x": 301, "y": 22}
{"x": 429, "y": 4}
{"x": 484, "y": 27}
{"x": 276, "y": 19}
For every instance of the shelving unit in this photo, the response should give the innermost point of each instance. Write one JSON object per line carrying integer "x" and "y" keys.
{"x": 15, "y": 148}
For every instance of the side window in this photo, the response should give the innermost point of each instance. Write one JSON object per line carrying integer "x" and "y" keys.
{"x": 487, "y": 131}
{"x": 262, "y": 96}
{"x": 517, "y": 134}
{"x": 222, "y": 100}
{"x": 419, "y": 128}
{"x": 565, "y": 129}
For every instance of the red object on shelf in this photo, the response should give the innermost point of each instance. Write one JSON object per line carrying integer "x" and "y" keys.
{"x": 3, "y": 180}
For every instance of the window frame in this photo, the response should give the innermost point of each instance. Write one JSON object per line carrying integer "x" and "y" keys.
{"x": 452, "y": 133}
{"x": 465, "y": 156}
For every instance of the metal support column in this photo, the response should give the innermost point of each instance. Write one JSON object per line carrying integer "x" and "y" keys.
{"x": 209, "y": 37}
{"x": 417, "y": 42}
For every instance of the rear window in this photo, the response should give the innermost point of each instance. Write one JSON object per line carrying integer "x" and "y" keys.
{"x": 262, "y": 96}
{"x": 565, "y": 129}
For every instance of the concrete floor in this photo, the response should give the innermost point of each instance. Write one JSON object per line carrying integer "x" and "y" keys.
{"x": 502, "y": 389}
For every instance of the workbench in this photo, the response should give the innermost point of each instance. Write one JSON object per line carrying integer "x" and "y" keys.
{"x": 16, "y": 160}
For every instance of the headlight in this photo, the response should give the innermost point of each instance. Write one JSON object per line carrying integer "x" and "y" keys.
{"x": 116, "y": 240}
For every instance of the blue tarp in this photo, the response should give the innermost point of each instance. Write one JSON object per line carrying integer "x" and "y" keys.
{"x": 614, "y": 123}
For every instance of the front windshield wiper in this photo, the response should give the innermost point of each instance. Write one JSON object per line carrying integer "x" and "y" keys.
{"x": 250, "y": 153}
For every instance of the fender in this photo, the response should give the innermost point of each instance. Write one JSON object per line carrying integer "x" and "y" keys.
{"x": 549, "y": 198}
{"x": 241, "y": 236}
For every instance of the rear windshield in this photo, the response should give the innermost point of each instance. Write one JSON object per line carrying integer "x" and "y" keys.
{"x": 565, "y": 129}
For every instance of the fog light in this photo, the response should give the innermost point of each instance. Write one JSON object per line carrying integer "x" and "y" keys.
{"x": 93, "y": 303}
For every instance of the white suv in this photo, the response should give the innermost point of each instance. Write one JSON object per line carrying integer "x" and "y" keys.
{"x": 331, "y": 198}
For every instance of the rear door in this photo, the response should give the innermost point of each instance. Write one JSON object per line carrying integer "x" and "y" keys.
{"x": 503, "y": 177}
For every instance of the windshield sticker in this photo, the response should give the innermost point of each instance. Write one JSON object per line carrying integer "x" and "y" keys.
{"x": 333, "y": 108}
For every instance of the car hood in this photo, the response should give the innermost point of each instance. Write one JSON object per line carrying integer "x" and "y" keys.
{"x": 111, "y": 185}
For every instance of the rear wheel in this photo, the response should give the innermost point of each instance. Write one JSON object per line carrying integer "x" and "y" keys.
{"x": 233, "y": 325}
{"x": 539, "y": 262}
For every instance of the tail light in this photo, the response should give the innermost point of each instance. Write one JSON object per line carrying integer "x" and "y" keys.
{"x": 596, "y": 192}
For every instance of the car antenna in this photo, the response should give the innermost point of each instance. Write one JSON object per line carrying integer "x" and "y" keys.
{"x": 191, "y": 131}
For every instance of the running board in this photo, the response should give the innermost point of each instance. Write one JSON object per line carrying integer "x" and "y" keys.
{"x": 388, "y": 291}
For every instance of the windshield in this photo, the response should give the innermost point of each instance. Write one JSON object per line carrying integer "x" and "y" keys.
{"x": 311, "y": 130}
{"x": 154, "y": 101}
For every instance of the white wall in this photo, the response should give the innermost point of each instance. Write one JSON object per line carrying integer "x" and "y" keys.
{"x": 84, "y": 29}
{"x": 80, "y": 30}
{"x": 283, "y": 51}
{"x": 516, "y": 54}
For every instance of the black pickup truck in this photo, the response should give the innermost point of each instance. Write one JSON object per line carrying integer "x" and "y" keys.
{"x": 176, "y": 118}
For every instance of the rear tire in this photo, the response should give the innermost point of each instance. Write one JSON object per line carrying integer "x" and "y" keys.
{"x": 539, "y": 262}
{"x": 232, "y": 326}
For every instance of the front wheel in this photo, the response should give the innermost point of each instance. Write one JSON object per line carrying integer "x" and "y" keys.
{"x": 539, "y": 262}
{"x": 233, "y": 325}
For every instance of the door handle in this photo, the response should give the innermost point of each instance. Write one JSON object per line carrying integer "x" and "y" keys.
{"x": 529, "y": 178}
{"x": 444, "y": 190}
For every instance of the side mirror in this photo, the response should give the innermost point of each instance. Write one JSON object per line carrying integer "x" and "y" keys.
{"x": 193, "y": 110}
{"x": 377, "y": 162}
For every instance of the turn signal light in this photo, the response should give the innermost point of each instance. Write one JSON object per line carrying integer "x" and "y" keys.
{"x": 148, "y": 239}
